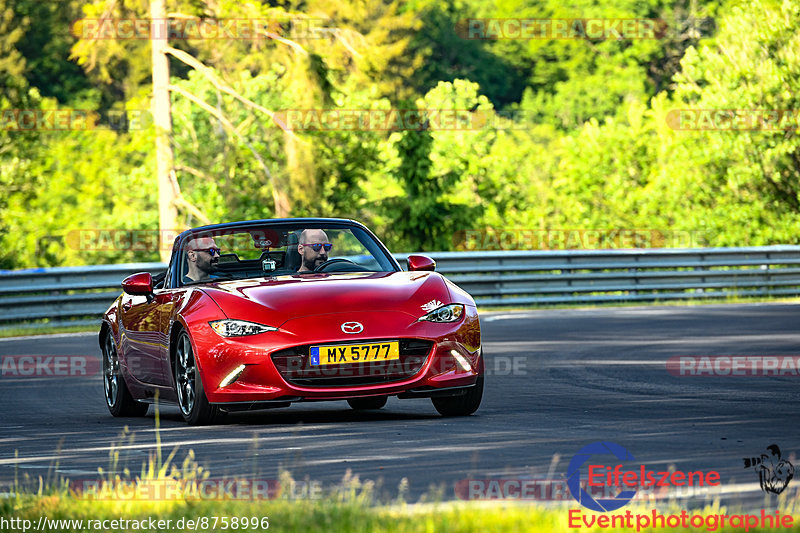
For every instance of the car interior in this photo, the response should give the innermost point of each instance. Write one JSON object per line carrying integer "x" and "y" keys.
{"x": 280, "y": 259}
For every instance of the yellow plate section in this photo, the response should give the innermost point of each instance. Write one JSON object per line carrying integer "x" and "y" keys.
{"x": 341, "y": 354}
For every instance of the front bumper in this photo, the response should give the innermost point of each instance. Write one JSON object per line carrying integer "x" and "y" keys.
{"x": 433, "y": 357}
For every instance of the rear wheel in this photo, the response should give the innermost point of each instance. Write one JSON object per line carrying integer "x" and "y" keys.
{"x": 118, "y": 397}
{"x": 191, "y": 396}
{"x": 463, "y": 405}
{"x": 366, "y": 404}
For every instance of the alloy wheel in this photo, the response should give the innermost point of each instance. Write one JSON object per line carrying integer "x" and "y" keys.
{"x": 110, "y": 371}
{"x": 185, "y": 375}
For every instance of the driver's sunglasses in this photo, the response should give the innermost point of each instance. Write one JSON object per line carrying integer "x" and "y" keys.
{"x": 318, "y": 246}
{"x": 209, "y": 251}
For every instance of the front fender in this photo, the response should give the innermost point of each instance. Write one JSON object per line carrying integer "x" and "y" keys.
{"x": 110, "y": 322}
{"x": 192, "y": 312}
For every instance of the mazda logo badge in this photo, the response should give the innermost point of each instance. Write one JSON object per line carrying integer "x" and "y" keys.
{"x": 352, "y": 327}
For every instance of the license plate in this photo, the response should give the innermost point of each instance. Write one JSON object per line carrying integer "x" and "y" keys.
{"x": 340, "y": 354}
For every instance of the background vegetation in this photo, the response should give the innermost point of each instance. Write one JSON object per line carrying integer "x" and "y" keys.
{"x": 588, "y": 146}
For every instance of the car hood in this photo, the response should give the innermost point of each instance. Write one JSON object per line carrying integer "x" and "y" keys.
{"x": 273, "y": 301}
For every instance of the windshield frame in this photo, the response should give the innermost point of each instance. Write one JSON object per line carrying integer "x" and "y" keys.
{"x": 374, "y": 245}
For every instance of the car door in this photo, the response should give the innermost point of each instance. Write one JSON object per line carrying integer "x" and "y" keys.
{"x": 167, "y": 295}
{"x": 144, "y": 339}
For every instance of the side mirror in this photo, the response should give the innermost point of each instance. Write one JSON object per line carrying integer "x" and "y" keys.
{"x": 420, "y": 262}
{"x": 138, "y": 284}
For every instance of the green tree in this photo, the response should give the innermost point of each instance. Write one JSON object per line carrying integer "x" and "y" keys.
{"x": 754, "y": 65}
{"x": 428, "y": 213}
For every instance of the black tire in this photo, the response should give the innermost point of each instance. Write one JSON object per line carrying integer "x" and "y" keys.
{"x": 118, "y": 397}
{"x": 366, "y": 404}
{"x": 463, "y": 405}
{"x": 192, "y": 401}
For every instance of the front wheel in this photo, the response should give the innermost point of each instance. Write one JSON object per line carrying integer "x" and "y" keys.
{"x": 463, "y": 405}
{"x": 192, "y": 400}
{"x": 118, "y": 397}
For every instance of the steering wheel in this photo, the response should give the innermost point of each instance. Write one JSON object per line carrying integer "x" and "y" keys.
{"x": 322, "y": 266}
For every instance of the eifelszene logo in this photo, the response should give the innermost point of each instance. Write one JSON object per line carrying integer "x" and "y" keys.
{"x": 774, "y": 473}
{"x": 600, "y": 475}
{"x": 574, "y": 477}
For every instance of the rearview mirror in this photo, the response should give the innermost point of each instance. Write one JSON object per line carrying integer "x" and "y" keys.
{"x": 138, "y": 284}
{"x": 421, "y": 262}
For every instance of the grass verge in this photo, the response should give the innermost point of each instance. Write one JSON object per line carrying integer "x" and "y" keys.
{"x": 338, "y": 515}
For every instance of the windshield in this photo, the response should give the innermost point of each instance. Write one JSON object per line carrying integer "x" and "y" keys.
{"x": 272, "y": 250}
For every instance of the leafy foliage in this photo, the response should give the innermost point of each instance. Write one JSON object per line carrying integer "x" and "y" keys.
{"x": 587, "y": 140}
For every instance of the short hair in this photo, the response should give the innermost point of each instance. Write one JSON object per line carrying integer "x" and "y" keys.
{"x": 191, "y": 241}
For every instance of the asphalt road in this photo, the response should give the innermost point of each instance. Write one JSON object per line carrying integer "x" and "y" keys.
{"x": 558, "y": 380}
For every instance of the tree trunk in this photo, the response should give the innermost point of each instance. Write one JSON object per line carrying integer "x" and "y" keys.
{"x": 162, "y": 119}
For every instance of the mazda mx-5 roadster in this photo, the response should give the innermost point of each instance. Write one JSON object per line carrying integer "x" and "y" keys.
{"x": 260, "y": 314}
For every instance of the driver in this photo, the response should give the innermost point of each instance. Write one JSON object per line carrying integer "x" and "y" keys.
{"x": 313, "y": 246}
{"x": 202, "y": 256}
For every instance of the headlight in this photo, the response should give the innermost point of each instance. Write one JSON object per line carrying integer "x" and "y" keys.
{"x": 238, "y": 328}
{"x": 446, "y": 313}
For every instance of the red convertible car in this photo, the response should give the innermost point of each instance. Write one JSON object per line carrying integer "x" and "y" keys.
{"x": 260, "y": 314}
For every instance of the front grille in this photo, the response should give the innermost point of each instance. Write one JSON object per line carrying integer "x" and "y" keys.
{"x": 293, "y": 364}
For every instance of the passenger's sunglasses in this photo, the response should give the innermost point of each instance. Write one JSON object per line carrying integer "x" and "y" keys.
{"x": 318, "y": 246}
{"x": 209, "y": 251}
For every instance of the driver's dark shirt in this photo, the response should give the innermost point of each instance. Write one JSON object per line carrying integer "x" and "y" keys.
{"x": 209, "y": 277}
